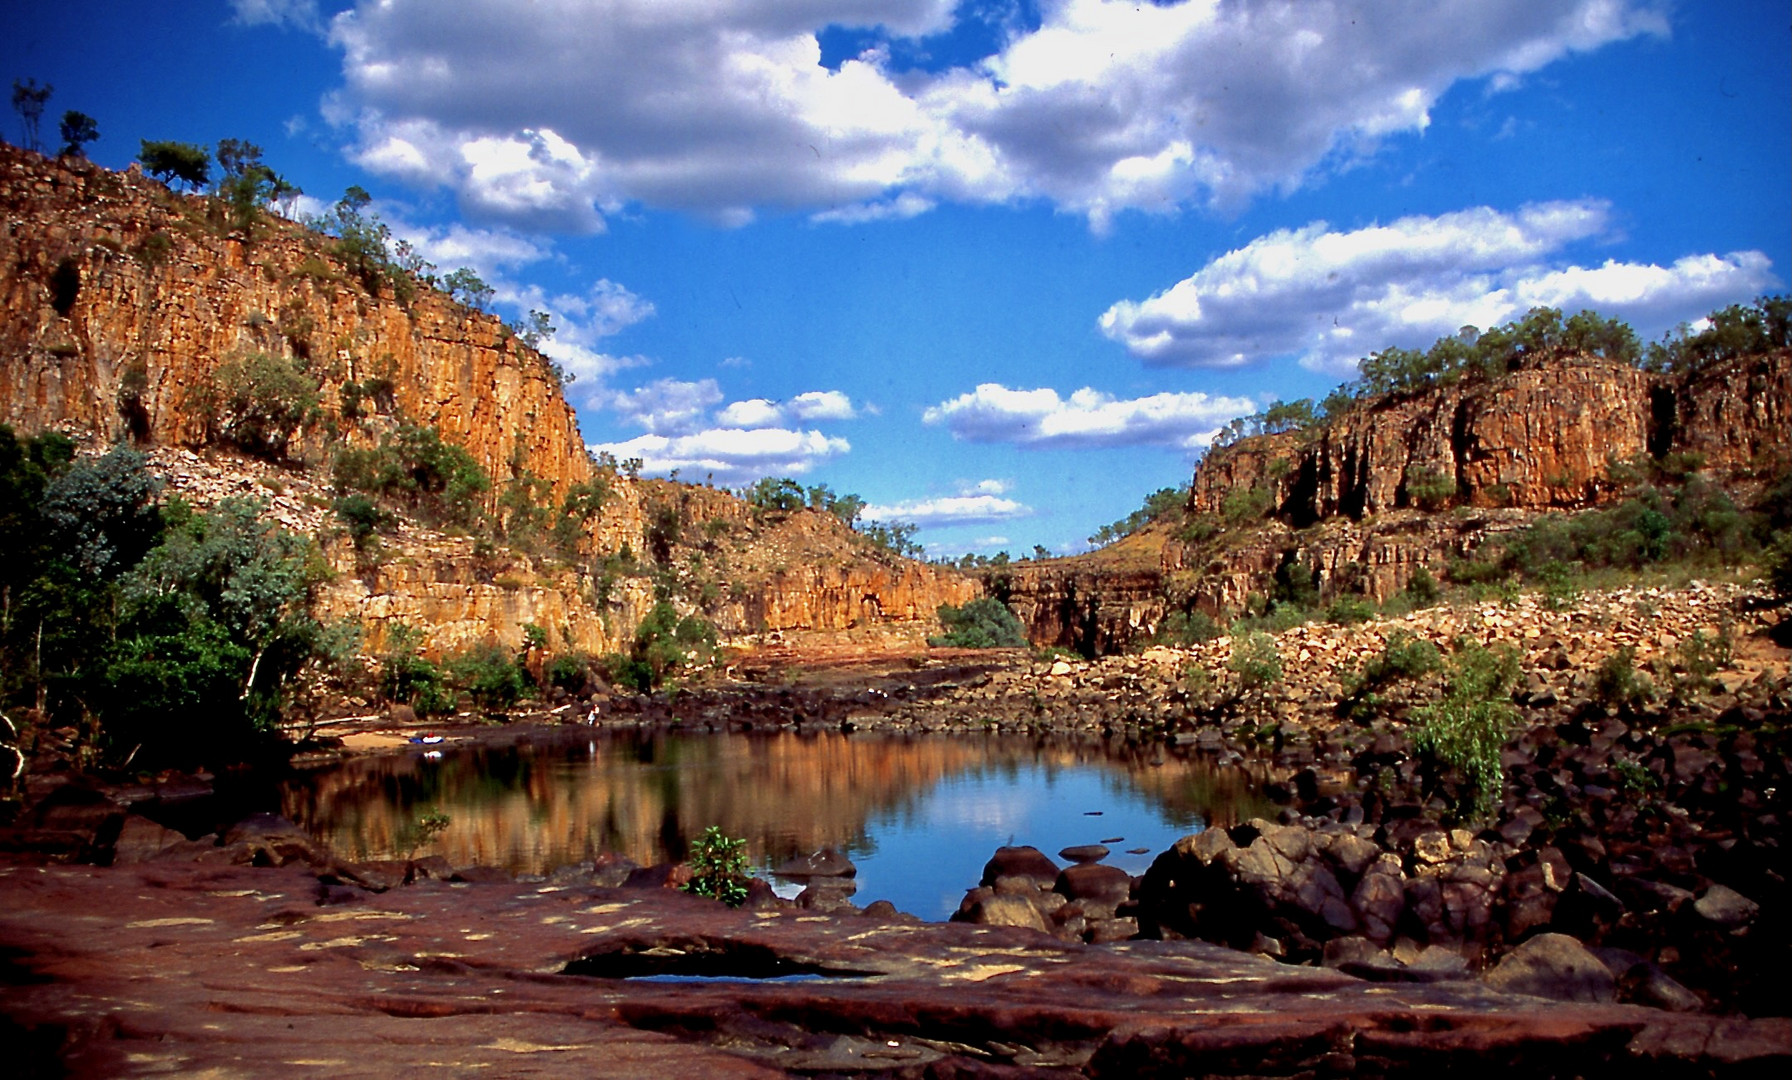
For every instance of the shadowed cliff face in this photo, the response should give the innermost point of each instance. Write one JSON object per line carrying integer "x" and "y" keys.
{"x": 1343, "y": 495}
{"x": 120, "y": 301}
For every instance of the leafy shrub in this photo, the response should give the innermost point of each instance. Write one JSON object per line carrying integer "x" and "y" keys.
{"x": 984, "y": 623}
{"x": 361, "y": 515}
{"x": 1188, "y": 628}
{"x": 414, "y": 466}
{"x": 1402, "y": 658}
{"x": 894, "y": 537}
{"x": 407, "y": 678}
{"x": 569, "y": 672}
{"x": 718, "y": 867}
{"x": 1466, "y": 729}
{"x": 490, "y": 675}
{"x": 1241, "y": 506}
{"x": 1422, "y": 588}
{"x": 1346, "y": 610}
{"x": 256, "y": 402}
{"x": 1429, "y": 489}
{"x": 663, "y": 643}
{"x": 1619, "y": 685}
{"x": 1256, "y": 662}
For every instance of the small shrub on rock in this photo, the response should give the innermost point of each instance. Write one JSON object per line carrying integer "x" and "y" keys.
{"x": 1619, "y": 685}
{"x": 718, "y": 867}
{"x": 1466, "y": 729}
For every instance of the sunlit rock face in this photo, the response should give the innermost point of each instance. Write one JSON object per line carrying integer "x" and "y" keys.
{"x": 120, "y": 301}
{"x": 1343, "y": 502}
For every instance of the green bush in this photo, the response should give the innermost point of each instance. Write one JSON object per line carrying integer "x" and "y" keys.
{"x": 1188, "y": 628}
{"x": 361, "y": 516}
{"x": 1465, "y": 731}
{"x": 415, "y": 467}
{"x": 1402, "y": 658}
{"x": 984, "y": 623}
{"x": 1346, "y": 610}
{"x": 1241, "y": 506}
{"x": 407, "y": 678}
{"x": 1256, "y": 662}
{"x": 1422, "y": 589}
{"x": 1619, "y": 685}
{"x": 718, "y": 867}
{"x": 256, "y": 402}
{"x": 490, "y": 675}
{"x": 569, "y": 672}
{"x": 1429, "y": 489}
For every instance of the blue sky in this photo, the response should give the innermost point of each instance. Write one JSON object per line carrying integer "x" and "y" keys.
{"x": 998, "y": 266}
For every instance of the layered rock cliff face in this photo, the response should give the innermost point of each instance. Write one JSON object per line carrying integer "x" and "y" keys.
{"x": 120, "y": 301}
{"x": 1352, "y": 499}
{"x": 110, "y": 283}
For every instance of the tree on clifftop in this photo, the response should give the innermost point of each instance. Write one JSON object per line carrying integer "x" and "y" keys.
{"x": 78, "y": 129}
{"x": 168, "y": 161}
{"x": 29, "y": 99}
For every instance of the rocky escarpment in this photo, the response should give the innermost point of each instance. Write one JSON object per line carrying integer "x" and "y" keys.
{"x": 120, "y": 301}
{"x": 1400, "y": 483}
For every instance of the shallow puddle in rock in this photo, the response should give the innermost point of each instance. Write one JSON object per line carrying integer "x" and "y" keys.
{"x": 917, "y": 815}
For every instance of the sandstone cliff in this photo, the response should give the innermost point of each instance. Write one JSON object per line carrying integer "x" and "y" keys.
{"x": 120, "y": 300}
{"x": 1342, "y": 495}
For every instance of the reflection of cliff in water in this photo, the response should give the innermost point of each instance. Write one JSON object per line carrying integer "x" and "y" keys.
{"x": 566, "y": 798}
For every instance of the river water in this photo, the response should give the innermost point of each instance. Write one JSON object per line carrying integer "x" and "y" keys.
{"x": 919, "y": 815}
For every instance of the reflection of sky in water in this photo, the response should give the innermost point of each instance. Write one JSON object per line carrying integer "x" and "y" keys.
{"x": 928, "y": 853}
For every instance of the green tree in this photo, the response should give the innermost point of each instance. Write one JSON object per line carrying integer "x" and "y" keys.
{"x": 78, "y": 129}
{"x": 984, "y": 623}
{"x": 468, "y": 288}
{"x": 168, "y": 161}
{"x": 1465, "y": 731}
{"x": 28, "y": 100}
{"x": 245, "y": 184}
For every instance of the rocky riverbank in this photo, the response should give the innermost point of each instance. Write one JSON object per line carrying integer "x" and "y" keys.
{"x": 197, "y": 962}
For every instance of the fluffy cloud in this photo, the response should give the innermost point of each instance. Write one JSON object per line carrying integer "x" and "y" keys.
{"x": 730, "y": 455}
{"x": 949, "y": 510}
{"x": 742, "y": 441}
{"x": 559, "y": 112}
{"x": 1330, "y": 297}
{"x": 804, "y": 408}
{"x": 1088, "y": 418}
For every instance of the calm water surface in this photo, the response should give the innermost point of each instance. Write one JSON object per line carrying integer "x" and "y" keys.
{"x": 919, "y": 815}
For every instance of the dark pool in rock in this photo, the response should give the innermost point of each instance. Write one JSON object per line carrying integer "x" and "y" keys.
{"x": 918, "y": 815}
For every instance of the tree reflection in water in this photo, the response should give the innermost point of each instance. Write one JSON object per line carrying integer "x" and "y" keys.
{"x": 918, "y": 814}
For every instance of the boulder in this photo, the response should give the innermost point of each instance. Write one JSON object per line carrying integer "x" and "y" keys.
{"x": 825, "y": 862}
{"x": 1084, "y": 853}
{"x": 1023, "y": 861}
{"x": 1554, "y": 966}
{"x": 1724, "y": 907}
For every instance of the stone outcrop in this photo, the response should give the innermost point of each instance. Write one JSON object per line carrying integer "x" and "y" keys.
{"x": 1538, "y": 439}
{"x": 214, "y": 968}
{"x": 120, "y": 300}
{"x": 1400, "y": 483}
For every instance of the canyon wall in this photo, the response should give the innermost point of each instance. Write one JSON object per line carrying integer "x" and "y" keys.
{"x": 1342, "y": 495}
{"x": 120, "y": 300}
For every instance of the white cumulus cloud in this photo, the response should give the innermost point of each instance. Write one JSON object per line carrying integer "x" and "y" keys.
{"x": 948, "y": 510}
{"x": 730, "y": 455}
{"x": 558, "y": 113}
{"x": 1042, "y": 419}
{"x": 1330, "y": 297}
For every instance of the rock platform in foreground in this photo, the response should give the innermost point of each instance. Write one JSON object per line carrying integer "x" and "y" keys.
{"x": 238, "y": 971}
